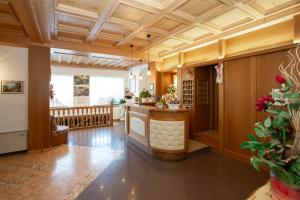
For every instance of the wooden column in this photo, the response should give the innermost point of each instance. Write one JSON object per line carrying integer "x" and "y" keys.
{"x": 39, "y": 136}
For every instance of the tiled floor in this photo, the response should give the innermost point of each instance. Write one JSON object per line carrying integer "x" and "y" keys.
{"x": 62, "y": 172}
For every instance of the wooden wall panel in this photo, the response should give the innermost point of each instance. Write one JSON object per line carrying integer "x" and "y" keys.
{"x": 246, "y": 79}
{"x": 238, "y": 107}
{"x": 159, "y": 90}
{"x": 167, "y": 79}
{"x": 277, "y": 35}
{"x": 38, "y": 98}
{"x": 203, "y": 54}
{"x": 266, "y": 69}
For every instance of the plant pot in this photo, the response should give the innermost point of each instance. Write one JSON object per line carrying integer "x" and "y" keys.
{"x": 160, "y": 106}
{"x": 282, "y": 191}
{"x": 145, "y": 100}
{"x": 129, "y": 101}
{"x": 173, "y": 106}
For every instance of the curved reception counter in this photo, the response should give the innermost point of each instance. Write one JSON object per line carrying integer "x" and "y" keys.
{"x": 163, "y": 133}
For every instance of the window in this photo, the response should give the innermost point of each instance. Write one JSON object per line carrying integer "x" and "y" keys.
{"x": 63, "y": 90}
{"x": 102, "y": 89}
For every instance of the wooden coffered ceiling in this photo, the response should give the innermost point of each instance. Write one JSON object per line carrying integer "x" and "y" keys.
{"x": 110, "y": 26}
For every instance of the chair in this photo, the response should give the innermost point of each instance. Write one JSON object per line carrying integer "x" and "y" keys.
{"x": 59, "y": 134}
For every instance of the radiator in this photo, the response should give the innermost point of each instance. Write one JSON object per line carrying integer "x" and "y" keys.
{"x": 13, "y": 141}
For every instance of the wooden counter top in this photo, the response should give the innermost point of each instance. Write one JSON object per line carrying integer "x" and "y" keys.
{"x": 152, "y": 108}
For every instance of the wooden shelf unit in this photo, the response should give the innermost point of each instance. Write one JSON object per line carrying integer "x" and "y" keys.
{"x": 188, "y": 92}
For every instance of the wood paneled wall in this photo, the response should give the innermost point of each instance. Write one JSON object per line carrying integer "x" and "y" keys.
{"x": 246, "y": 79}
{"x": 38, "y": 98}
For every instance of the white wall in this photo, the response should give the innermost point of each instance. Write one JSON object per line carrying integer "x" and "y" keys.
{"x": 140, "y": 84}
{"x": 14, "y": 107}
{"x": 90, "y": 72}
{"x": 94, "y": 72}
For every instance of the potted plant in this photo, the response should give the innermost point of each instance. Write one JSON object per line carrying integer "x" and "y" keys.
{"x": 145, "y": 96}
{"x": 160, "y": 102}
{"x": 276, "y": 142}
{"x": 122, "y": 101}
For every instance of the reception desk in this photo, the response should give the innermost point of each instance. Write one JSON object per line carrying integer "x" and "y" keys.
{"x": 163, "y": 133}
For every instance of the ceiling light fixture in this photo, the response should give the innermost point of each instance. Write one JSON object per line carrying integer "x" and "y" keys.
{"x": 130, "y": 69}
{"x": 140, "y": 77}
{"x": 148, "y": 71}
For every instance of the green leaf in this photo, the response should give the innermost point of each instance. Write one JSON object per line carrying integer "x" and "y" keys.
{"x": 276, "y": 95}
{"x": 255, "y": 163}
{"x": 268, "y": 122}
{"x": 272, "y": 110}
{"x": 259, "y": 132}
{"x": 253, "y": 145}
{"x": 284, "y": 115}
{"x": 277, "y": 122}
{"x": 292, "y": 96}
{"x": 245, "y": 145}
{"x": 251, "y": 137}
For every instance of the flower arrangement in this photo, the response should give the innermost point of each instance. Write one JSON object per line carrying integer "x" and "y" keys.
{"x": 160, "y": 102}
{"x": 171, "y": 89}
{"x": 128, "y": 94}
{"x": 276, "y": 142}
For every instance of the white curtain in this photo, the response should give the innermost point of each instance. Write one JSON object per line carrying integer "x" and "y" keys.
{"x": 63, "y": 90}
{"x": 102, "y": 89}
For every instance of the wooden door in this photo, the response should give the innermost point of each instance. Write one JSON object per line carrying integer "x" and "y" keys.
{"x": 203, "y": 99}
{"x": 238, "y": 106}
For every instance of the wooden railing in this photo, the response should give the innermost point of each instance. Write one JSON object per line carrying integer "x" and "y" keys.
{"x": 83, "y": 117}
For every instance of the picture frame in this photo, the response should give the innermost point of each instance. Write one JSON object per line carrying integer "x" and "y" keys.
{"x": 82, "y": 80}
{"x": 151, "y": 86}
{"x": 12, "y": 87}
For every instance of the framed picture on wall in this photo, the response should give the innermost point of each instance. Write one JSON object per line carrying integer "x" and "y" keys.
{"x": 12, "y": 87}
{"x": 82, "y": 80}
{"x": 151, "y": 87}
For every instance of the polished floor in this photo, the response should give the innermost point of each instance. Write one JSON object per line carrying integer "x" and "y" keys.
{"x": 98, "y": 165}
{"x": 209, "y": 176}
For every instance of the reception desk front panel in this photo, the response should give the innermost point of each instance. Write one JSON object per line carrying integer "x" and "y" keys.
{"x": 167, "y": 135}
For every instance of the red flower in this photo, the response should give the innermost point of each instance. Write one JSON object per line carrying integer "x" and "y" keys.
{"x": 280, "y": 79}
{"x": 261, "y": 102}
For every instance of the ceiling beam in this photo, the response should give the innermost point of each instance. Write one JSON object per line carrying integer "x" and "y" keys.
{"x": 23, "y": 11}
{"x": 120, "y": 52}
{"x": 109, "y": 7}
{"x": 149, "y": 22}
{"x": 87, "y": 66}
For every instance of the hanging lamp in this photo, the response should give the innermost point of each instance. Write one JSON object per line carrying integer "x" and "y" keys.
{"x": 130, "y": 75}
{"x": 140, "y": 77}
{"x": 148, "y": 71}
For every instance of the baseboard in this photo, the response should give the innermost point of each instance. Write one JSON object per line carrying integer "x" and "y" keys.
{"x": 237, "y": 156}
